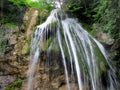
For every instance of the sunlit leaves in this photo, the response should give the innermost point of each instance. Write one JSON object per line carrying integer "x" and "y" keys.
{"x": 38, "y": 4}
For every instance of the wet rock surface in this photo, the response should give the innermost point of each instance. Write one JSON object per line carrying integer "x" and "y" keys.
{"x": 50, "y": 74}
{"x": 5, "y": 80}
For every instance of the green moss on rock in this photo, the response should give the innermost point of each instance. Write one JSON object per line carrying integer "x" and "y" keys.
{"x": 15, "y": 85}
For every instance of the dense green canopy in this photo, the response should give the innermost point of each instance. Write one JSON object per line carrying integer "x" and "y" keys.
{"x": 39, "y": 4}
{"x": 103, "y": 14}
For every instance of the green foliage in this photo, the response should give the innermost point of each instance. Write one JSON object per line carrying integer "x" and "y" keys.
{"x": 47, "y": 43}
{"x": 11, "y": 13}
{"x": 3, "y": 44}
{"x": 13, "y": 10}
{"x": 103, "y": 14}
{"x": 87, "y": 27}
{"x": 108, "y": 17}
{"x": 39, "y": 4}
{"x": 19, "y": 2}
{"x": 81, "y": 9}
{"x": 3, "y": 40}
{"x": 99, "y": 9}
{"x": 10, "y": 24}
{"x": 15, "y": 85}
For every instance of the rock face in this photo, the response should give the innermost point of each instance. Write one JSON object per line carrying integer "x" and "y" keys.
{"x": 50, "y": 74}
{"x": 14, "y": 60}
{"x": 5, "y": 80}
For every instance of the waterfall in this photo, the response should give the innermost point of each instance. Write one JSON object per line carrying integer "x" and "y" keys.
{"x": 83, "y": 58}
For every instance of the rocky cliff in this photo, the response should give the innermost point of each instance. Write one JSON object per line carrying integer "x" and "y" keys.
{"x": 15, "y": 48}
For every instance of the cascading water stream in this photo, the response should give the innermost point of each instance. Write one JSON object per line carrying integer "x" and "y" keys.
{"x": 84, "y": 58}
{"x": 32, "y": 69}
{"x": 63, "y": 55}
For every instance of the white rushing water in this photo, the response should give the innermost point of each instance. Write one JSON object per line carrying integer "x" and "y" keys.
{"x": 32, "y": 70}
{"x": 87, "y": 57}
